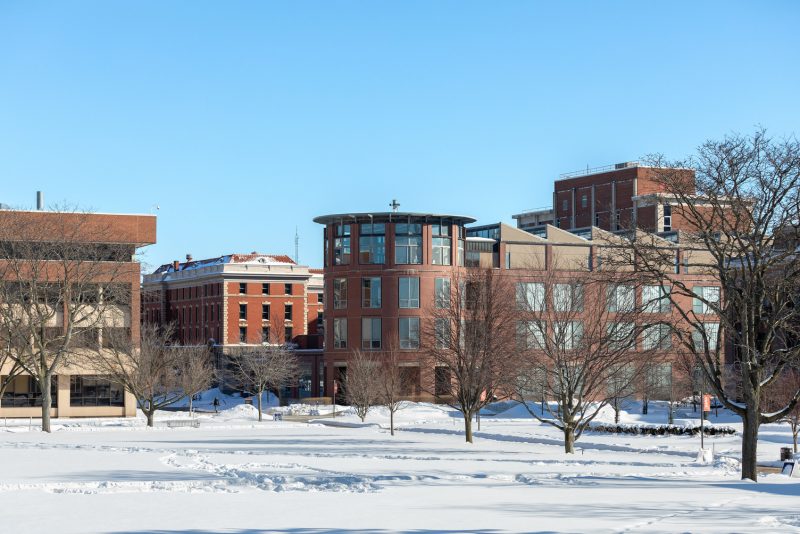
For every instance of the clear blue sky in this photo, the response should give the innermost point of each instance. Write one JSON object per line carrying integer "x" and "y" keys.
{"x": 243, "y": 120}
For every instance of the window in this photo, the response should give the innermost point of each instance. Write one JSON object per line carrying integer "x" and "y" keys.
{"x": 23, "y": 391}
{"x": 655, "y": 299}
{"x": 568, "y": 334}
{"x": 657, "y": 337}
{"x": 341, "y": 245}
{"x": 565, "y": 205}
{"x": 242, "y": 334}
{"x": 584, "y": 201}
{"x": 706, "y": 296}
{"x": 621, "y": 336}
{"x": 340, "y": 333}
{"x": 287, "y": 289}
{"x": 442, "y": 381}
{"x": 407, "y": 243}
{"x": 91, "y": 390}
{"x": 621, "y": 298}
{"x": 442, "y": 244}
{"x": 667, "y": 218}
{"x": 242, "y": 289}
{"x": 441, "y": 292}
{"x": 709, "y": 335}
{"x": 409, "y": 332}
{"x": 287, "y": 312}
{"x": 242, "y": 311}
{"x": 265, "y": 334}
{"x": 371, "y": 243}
{"x": 288, "y": 334}
{"x": 409, "y": 292}
{"x": 265, "y": 312}
{"x": 441, "y": 328}
{"x": 371, "y": 292}
{"x": 530, "y": 335}
{"x": 339, "y": 293}
{"x": 530, "y": 296}
{"x": 371, "y": 333}
{"x": 568, "y": 297}
{"x": 326, "y": 247}
{"x": 597, "y": 219}
{"x": 460, "y": 250}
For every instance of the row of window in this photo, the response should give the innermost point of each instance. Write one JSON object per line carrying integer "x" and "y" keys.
{"x": 407, "y": 244}
{"x": 265, "y": 334}
{"x": 84, "y": 390}
{"x": 266, "y": 288}
{"x": 408, "y": 292}
{"x": 208, "y": 290}
{"x": 371, "y": 333}
{"x": 265, "y": 311}
{"x": 188, "y": 315}
{"x": 567, "y": 335}
{"x": 619, "y": 298}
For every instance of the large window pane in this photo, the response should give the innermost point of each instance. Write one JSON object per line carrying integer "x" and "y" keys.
{"x": 409, "y": 292}
{"x": 409, "y": 332}
{"x": 340, "y": 333}
{"x": 530, "y": 296}
{"x": 370, "y": 292}
{"x": 370, "y": 333}
{"x": 655, "y": 299}
{"x": 442, "y": 292}
{"x": 339, "y": 293}
{"x": 341, "y": 245}
{"x": 407, "y": 243}
{"x": 93, "y": 390}
{"x": 568, "y": 297}
{"x": 372, "y": 243}
{"x": 621, "y": 298}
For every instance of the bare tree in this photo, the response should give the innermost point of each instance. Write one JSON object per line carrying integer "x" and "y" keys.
{"x": 742, "y": 213}
{"x": 196, "y": 371}
{"x": 63, "y": 284}
{"x": 264, "y": 368}
{"x": 149, "y": 369}
{"x": 469, "y": 343}
{"x": 577, "y": 336}
{"x": 362, "y": 382}
{"x": 393, "y": 383}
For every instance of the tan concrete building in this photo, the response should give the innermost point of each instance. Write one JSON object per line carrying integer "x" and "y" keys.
{"x": 111, "y": 241}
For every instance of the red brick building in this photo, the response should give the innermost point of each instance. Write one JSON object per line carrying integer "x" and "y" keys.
{"x": 613, "y": 198}
{"x": 385, "y": 271}
{"x": 241, "y": 300}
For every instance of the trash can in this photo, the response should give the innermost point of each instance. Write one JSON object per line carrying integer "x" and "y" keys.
{"x": 786, "y": 453}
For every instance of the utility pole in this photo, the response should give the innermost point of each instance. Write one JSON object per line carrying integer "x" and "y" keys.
{"x": 296, "y": 246}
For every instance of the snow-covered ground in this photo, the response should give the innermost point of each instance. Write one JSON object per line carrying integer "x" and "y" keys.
{"x": 233, "y": 474}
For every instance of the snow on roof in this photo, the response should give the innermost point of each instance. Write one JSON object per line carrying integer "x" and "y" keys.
{"x": 248, "y": 259}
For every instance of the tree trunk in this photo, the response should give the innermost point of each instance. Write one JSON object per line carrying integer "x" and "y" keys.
{"x": 750, "y": 424}
{"x": 468, "y": 426}
{"x": 569, "y": 439}
{"x": 795, "y": 429}
{"x": 47, "y": 401}
{"x": 190, "y": 404}
{"x": 260, "y": 417}
{"x": 391, "y": 425}
{"x": 150, "y": 416}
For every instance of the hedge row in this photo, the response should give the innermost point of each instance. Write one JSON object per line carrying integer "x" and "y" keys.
{"x": 661, "y": 430}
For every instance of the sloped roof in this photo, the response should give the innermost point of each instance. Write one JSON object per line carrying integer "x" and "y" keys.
{"x": 252, "y": 258}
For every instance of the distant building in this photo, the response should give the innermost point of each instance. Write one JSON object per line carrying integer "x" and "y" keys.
{"x": 613, "y": 198}
{"x": 239, "y": 300}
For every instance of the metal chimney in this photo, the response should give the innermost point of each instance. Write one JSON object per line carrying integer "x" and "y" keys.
{"x": 39, "y": 200}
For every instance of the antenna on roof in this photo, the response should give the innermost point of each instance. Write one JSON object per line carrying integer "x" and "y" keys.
{"x": 296, "y": 246}
{"x": 394, "y": 205}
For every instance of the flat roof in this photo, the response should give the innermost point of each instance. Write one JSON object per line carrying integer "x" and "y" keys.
{"x": 389, "y": 216}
